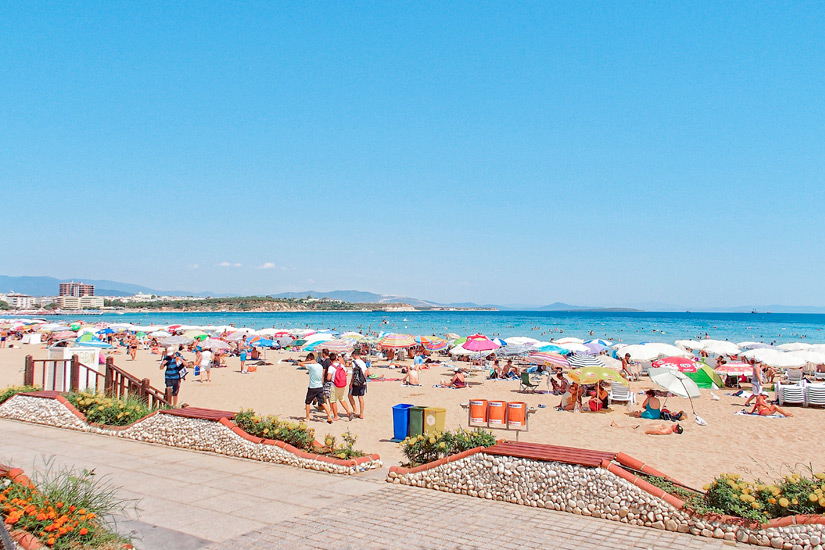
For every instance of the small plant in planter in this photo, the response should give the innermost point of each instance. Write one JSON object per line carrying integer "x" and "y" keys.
{"x": 296, "y": 434}
{"x": 65, "y": 509}
{"x": 14, "y": 390}
{"x": 424, "y": 448}
{"x": 109, "y": 410}
{"x": 344, "y": 451}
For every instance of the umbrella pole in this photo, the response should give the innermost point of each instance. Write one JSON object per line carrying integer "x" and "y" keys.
{"x": 689, "y": 397}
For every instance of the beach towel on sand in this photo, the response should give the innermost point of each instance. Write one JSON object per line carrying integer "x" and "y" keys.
{"x": 743, "y": 413}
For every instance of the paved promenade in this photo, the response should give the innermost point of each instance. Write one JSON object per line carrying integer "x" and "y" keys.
{"x": 191, "y": 501}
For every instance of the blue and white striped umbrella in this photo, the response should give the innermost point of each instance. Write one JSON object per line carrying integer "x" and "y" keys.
{"x": 580, "y": 360}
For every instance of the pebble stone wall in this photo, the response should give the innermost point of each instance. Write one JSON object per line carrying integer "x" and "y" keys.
{"x": 188, "y": 433}
{"x": 593, "y": 492}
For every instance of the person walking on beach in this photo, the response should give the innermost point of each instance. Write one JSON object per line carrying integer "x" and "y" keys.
{"x": 358, "y": 383}
{"x": 315, "y": 390}
{"x": 756, "y": 380}
{"x": 338, "y": 376}
{"x": 204, "y": 361}
{"x": 133, "y": 346}
{"x": 173, "y": 363}
{"x": 4, "y": 334}
{"x": 242, "y": 351}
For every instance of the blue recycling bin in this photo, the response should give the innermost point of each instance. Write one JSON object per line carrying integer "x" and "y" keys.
{"x": 400, "y": 421}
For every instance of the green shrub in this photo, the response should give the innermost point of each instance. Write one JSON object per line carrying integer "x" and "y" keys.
{"x": 14, "y": 390}
{"x": 424, "y": 448}
{"x": 296, "y": 434}
{"x": 345, "y": 451}
{"x": 108, "y": 410}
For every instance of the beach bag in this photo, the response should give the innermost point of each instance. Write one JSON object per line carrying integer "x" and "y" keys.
{"x": 358, "y": 378}
{"x": 665, "y": 415}
{"x": 595, "y": 405}
{"x": 340, "y": 379}
{"x": 183, "y": 372}
{"x": 252, "y": 368}
{"x": 197, "y": 370}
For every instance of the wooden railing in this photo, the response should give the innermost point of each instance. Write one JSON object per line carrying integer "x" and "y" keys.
{"x": 66, "y": 375}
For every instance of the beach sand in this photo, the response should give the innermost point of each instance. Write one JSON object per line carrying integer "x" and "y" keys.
{"x": 753, "y": 446}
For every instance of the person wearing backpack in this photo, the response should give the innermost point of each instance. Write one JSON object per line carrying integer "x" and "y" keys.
{"x": 358, "y": 383}
{"x": 337, "y": 375}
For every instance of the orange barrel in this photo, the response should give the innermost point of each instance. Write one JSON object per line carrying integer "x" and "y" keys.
{"x": 478, "y": 412}
{"x": 517, "y": 415}
{"x": 497, "y": 414}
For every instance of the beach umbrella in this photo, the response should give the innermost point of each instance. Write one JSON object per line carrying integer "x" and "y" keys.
{"x": 159, "y": 334}
{"x": 794, "y": 346}
{"x": 397, "y": 341}
{"x": 479, "y": 342}
{"x": 810, "y": 357}
{"x": 499, "y": 341}
{"x": 512, "y": 350}
{"x": 553, "y": 348}
{"x": 352, "y": 336}
{"x": 546, "y": 358}
{"x": 432, "y": 343}
{"x": 64, "y": 334}
{"x": 568, "y": 340}
{"x": 259, "y": 342}
{"x": 106, "y": 330}
{"x": 676, "y": 383}
{"x": 775, "y": 358}
{"x": 176, "y": 341}
{"x": 720, "y": 347}
{"x": 734, "y": 369}
{"x": 452, "y": 336}
{"x": 520, "y": 340}
{"x": 573, "y": 347}
{"x": 689, "y": 344}
{"x": 214, "y": 344}
{"x": 459, "y": 350}
{"x": 602, "y": 343}
{"x": 339, "y": 345}
{"x": 594, "y": 348}
{"x": 591, "y": 375}
{"x": 745, "y": 346}
{"x": 581, "y": 360}
{"x": 682, "y": 364}
{"x": 649, "y": 352}
{"x": 195, "y": 334}
{"x": 89, "y": 340}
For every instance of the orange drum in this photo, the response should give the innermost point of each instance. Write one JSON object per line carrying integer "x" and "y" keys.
{"x": 478, "y": 412}
{"x": 517, "y": 415}
{"x": 497, "y": 414}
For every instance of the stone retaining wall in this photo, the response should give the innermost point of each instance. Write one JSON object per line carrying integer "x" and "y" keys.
{"x": 221, "y": 437}
{"x": 596, "y": 492}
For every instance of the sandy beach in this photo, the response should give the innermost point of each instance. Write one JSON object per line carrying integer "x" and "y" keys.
{"x": 754, "y": 446}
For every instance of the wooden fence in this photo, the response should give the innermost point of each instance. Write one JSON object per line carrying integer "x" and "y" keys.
{"x": 66, "y": 375}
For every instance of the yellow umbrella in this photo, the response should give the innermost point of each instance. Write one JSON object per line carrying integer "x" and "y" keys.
{"x": 591, "y": 375}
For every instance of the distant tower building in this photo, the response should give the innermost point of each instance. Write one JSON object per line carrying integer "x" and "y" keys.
{"x": 77, "y": 290}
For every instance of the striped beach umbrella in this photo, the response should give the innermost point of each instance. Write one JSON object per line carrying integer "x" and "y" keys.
{"x": 339, "y": 346}
{"x": 397, "y": 341}
{"x": 581, "y": 360}
{"x": 546, "y": 358}
{"x": 432, "y": 343}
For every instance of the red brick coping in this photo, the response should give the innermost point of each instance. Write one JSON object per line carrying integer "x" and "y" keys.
{"x": 608, "y": 461}
{"x": 213, "y": 415}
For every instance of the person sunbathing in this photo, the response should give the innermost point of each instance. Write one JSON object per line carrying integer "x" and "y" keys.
{"x": 559, "y": 383}
{"x": 654, "y": 429}
{"x": 763, "y": 408}
{"x": 411, "y": 377}
{"x": 458, "y": 380}
{"x": 652, "y": 407}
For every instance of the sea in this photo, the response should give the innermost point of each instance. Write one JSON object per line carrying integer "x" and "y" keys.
{"x": 626, "y": 327}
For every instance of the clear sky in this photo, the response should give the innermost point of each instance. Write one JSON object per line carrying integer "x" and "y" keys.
{"x": 600, "y": 153}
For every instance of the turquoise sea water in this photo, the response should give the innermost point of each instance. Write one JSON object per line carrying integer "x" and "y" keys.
{"x": 628, "y": 327}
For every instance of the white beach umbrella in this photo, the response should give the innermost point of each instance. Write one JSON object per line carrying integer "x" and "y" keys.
{"x": 520, "y": 340}
{"x": 214, "y": 344}
{"x": 649, "y": 352}
{"x": 689, "y": 344}
{"x": 459, "y": 350}
{"x": 774, "y": 358}
{"x": 568, "y": 340}
{"x": 573, "y": 347}
{"x": 794, "y": 346}
{"x": 159, "y": 334}
{"x": 752, "y": 345}
{"x": 810, "y": 357}
{"x": 720, "y": 347}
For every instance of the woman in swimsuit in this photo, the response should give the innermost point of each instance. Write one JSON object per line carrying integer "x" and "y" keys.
{"x": 652, "y": 407}
{"x": 764, "y": 409}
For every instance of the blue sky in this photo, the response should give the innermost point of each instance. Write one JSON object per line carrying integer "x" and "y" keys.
{"x": 591, "y": 153}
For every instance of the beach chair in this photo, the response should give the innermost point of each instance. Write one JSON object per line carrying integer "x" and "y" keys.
{"x": 819, "y": 376}
{"x": 620, "y": 393}
{"x": 794, "y": 376}
{"x": 791, "y": 393}
{"x": 815, "y": 395}
{"x": 526, "y": 384}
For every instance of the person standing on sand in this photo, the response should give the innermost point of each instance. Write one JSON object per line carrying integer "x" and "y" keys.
{"x": 205, "y": 364}
{"x": 242, "y": 350}
{"x": 338, "y": 376}
{"x": 315, "y": 390}
{"x": 173, "y": 363}
{"x": 4, "y": 335}
{"x": 756, "y": 380}
{"x": 358, "y": 382}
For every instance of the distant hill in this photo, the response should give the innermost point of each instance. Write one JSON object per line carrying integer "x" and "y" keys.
{"x": 356, "y": 296}
{"x": 561, "y": 306}
{"x": 48, "y": 286}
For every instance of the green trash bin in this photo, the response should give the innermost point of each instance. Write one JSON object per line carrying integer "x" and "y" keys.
{"x": 434, "y": 419}
{"x": 416, "y": 426}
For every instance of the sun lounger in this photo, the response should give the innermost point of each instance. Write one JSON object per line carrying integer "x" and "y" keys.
{"x": 815, "y": 394}
{"x": 791, "y": 393}
{"x": 622, "y": 394}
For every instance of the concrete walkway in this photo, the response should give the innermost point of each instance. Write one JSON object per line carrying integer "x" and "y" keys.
{"x": 190, "y": 500}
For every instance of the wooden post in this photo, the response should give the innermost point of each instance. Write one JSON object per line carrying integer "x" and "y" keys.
{"x": 167, "y": 395}
{"x": 74, "y": 376}
{"x": 144, "y": 390}
{"x": 108, "y": 379}
{"x": 28, "y": 371}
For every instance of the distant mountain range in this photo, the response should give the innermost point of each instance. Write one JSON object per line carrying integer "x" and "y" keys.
{"x": 48, "y": 286}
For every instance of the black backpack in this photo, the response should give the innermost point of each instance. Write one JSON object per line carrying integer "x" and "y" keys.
{"x": 358, "y": 378}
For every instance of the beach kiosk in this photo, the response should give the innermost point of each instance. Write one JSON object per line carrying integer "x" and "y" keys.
{"x": 88, "y": 356}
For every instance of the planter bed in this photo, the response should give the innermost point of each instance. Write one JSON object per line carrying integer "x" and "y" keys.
{"x": 595, "y": 484}
{"x": 198, "y": 429}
